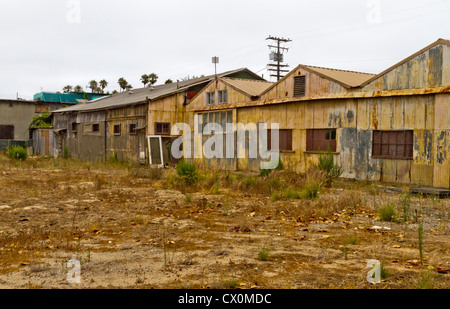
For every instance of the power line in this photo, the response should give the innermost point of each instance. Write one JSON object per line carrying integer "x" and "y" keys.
{"x": 277, "y": 57}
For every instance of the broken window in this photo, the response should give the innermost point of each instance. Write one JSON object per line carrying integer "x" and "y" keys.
{"x": 300, "y": 86}
{"x": 321, "y": 140}
{"x": 132, "y": 129}
{"x": 117, "y": 129}
{"x": 393, "y": 144}
{"x": 6, "y": 132}
{"x": 162, "y": 128}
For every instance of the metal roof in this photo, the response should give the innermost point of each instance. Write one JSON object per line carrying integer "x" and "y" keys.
{"x": 250, "y": 87}
{"x": 346, "y": 78}
{"x": 141, "y": 95}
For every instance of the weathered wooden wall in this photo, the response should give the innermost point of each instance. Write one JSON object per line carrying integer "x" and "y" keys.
{"x": 126, "y": 145}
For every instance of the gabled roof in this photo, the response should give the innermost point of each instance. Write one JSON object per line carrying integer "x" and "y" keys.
{"x": 439, "y": 41}
{"x": 141, "y": 95}
{"x": 252, "y": 88}
{"x": 345, "y": 78}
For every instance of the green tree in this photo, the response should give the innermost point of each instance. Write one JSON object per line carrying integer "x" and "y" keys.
{"x": 169, "y": 81}
{"x": 123, "y": 84}
{"x": 78, "y": 88}
{"x": 153, "y": 78}
{"x": 103, "y": 84}
{"x": 67, "y": 89}
{"x": 145, "y": 79}
{"x": 93, "y": 85}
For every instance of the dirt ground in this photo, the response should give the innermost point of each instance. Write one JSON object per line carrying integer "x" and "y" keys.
{"x": 133, "y": 232}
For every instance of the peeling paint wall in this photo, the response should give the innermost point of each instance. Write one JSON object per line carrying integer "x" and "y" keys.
{"x": 428, "y": 69}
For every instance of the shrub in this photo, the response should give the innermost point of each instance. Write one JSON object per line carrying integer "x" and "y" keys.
{"x": 310, "y": 191}
{"x": 17, "y": 152}
{"x": 248, "y": 181}
{"x": 187, "y": 172}
{"x": 326, "y": 164}
{"x": 66, "y": 152}
{"x": 387, "y": 213}
{"x": 263, "y": 254}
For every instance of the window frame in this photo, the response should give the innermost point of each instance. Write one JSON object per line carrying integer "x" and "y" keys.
{"x": 314, "y": 139}
{"x": 132, "y": 129}
{"x": 284, "y": 142}
{"x": 119, "y": 131}
{"x": 95, "y": 128}
{"x": 162, "y": 131}
{"x": 388, "y": 141}
{"x": 210, "y": 95}
{"x": 220, "y": 96}
{"x": 9, "y": 128}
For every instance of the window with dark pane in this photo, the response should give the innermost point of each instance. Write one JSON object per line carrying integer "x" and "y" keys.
{"x": 162, "y": 128}
{"x": 95, "y": 127}
{"x": 7, "y": 132}
{"x": 117, "y": 129}
{"x": 132, "y": 128}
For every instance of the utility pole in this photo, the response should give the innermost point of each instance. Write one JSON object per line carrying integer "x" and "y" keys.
{"x": 277, "y": 57}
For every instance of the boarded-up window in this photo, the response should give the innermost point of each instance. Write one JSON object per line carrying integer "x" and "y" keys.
{"x": 162, "y": 128}
{"x": 321, "y": 140}
{"x": 117, "y": 129}
{"x": 7, "y": 132}
{"x": 210, "y": 98}
{"x": 132, "y": 129}
{"x": 300, "y": 86}
{"x": 284, "y": 139}
{"x": 223, "y": 96}
{"x": 393, "y": 144}
{"x": 40, "y": 108}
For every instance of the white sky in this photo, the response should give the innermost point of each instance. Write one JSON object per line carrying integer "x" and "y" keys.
{"x": 47, "y": 44}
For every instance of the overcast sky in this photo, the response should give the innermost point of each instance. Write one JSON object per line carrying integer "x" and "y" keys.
{"x": 47, "y": 44}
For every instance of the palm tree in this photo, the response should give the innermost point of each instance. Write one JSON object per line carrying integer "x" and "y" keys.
{"x": 152, "y": 78}
{"x": 145, "y": 79}
{"x": 103, "y": 84}
{"x": 67, "y": 89}
{"x": 78, "y": 88}
{"x": 93, "y": 85}
{"x": 122, "y": 83}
